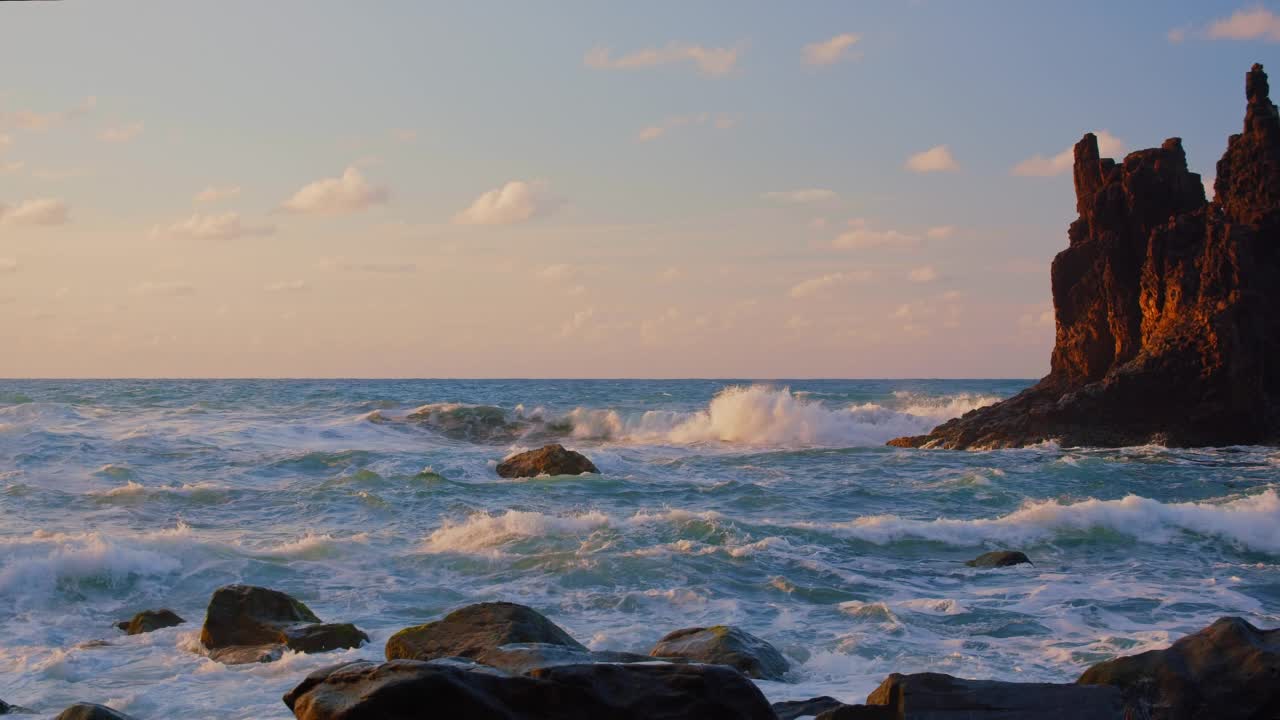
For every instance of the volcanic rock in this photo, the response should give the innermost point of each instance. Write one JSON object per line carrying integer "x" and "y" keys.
{"x": 410, "y": 689}
{"x": 725, "y": 645}
{"x": 548, "y": 460}
{"x": 1167, "y": 307}
{"x": 1228, "y": 671}
{"x": 253, "y": 619}
{"x": 149, "y": 621}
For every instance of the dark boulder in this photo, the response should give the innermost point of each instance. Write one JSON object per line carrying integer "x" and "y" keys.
{"x": 547, "y": 460}
{"x": 934, "y": 696}
{"x": 7, "y": 709}
{"x": 724, "y": 645}
{"x": 253, "y": 619}
{"x": 999, "y": 559}
{"x": 1167, "y": 307}
{"x": 149, "y": 621}
{"x": 247, "y": 654}
{"x": 89, "y": 711}
{"x": 1228, "y": 671}
{"x": 409, "y": 690}
{"x": 792, "y": 709}
{"x": 480, "y": 632}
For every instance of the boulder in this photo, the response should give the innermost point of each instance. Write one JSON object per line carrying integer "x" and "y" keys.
{"x": 7, "y": 709}
{"x": 150, "y": 620}
{"x": 724, "y": 645}
{"x": 934, "y": 696}
{"x": 999, "y": 559}
{"x": 253, "y": 619}
{"x": 547, "y": 460}
{"x": 410, "y": 689}
{"x": 792, "y": 709}
{"x": 499, "y": 634}
{"x": 473, "y": 423}
{"x": 1228, "y": 671}
{"x": 89, "y": 711}
{"x": 1167, "y": 307}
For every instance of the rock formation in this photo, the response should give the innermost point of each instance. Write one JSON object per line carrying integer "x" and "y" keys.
{"x": 150, "y": 621}
{"x": 548, "y": 460}
{"x": 1167, "y": 306}
{"x": 999, "y": 559}
{"x": 724, "y": 645}
{"x": 246, "y": 624}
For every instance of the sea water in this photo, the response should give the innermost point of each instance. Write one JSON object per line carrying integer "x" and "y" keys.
{"x": 772, "y": 506}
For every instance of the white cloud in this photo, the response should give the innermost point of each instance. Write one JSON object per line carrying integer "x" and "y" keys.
{"x": 286, "y": 286}
{"x": 1257, "y": 23}
{"x": 1040, "y": 316}
{"x": 1040, "y": 166}
{"x": 940, "y": 232}
{"x": 171, "y": 288}
{"x": 213, "y": 193}
{"x": 670, "y": 275}
{"x": 5, "y": 142}
{"x": 1209, "y": 192}
{"x": 860, "y": 236}
{"x": 334, "y": 196}
{"x": 31, "y": 120}
{"x": 12, "y": 167}
{"x": 560, "y": 272}
{"x": 926, "y": 274}
{"x": 712, "y": 62}
{"x": 719, "y": 121}
{"x": 515, "y": 202}
{"x": 121, "y": 133}
{"x": 814, "y": 286}
{"x": 801, "y": 196}
{"x": 404, "y": 135}
{"x": 372, "y": 267}
{"x": 221, "y": 226}
{"x": 1177, "y": 35}
{"x": 831, "y": 50}
{"x": 576, "y": 323}
{"x": 8, "y": 265}
{"x": 41, "y": 211}
{"x": 935, "y": 159}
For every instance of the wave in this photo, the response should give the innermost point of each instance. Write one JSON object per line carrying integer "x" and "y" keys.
{"x": 753, "y": 415}
{"x": 1252, "y": 522}
{"x": 482, "y": 532}
{"x": 45, "y": 561}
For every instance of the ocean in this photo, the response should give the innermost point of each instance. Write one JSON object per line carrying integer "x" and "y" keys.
{"x": 770, "y": 505}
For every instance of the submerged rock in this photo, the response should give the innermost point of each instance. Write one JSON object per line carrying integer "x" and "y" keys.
{"x": 89, "y": 711}
{"x": 253, "y": 620}
{"x": 999, "y": 559}
{"x": 1167, "y": 307}
{"x": 149, "y": 621}
{"x": 547, "y": 460}
{"x": 725, "y": 645}
{"x": 410, "y": 689}
{"x": 473, "y": 423}
{"x": 1228, "y": 671}
{"x": 499, "y": 634}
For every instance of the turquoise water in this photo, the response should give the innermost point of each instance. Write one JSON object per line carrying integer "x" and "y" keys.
{"x": 773, "y": 506}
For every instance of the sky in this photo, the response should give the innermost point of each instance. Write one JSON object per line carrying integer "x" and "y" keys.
{"x": 573, "y": 189}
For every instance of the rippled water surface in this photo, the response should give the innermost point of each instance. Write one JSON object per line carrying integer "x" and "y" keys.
{"x": 771, "y": 506}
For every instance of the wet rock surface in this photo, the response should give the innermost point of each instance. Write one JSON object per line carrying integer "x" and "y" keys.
{"x": 547, "y": 460}
{"x": 724, "y": 645}
{"x": 245, "y": 624}
{"x": 150, "y": 621}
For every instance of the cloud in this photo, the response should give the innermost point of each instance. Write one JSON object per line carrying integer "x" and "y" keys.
{"x": 1177, "y": 35}
{"x": 935, "y": 159}
{"x": 940, "y": 232}
{"x": 31, "y": 120}
{"x": 336, "y": 196}
{"x": 832, "y": 50}
{"x": 170, "y": 288}
{"x": 515, "y": 202}
{"x": 1040, "y": 316}
{"x": 670, "y": 275}
{"x": 12, "y": 167}
{"x": 286, "y": 286}
{"x": 8, "y": 265}
{"x": 559, "y": 272}
{"x": 1257, "y": 23}
{"x": 859, "y": 236}
{"x": 213, "y": 194}
{"x": 712, "y": 62}
{"x": 221, "y": 226}
{"x": 1208, "y": 182}
{"x": 41, "y": 211}
{"x": 814, "y": 286}
{"x": 5, "y": 142}
{"x": 926, "y": 274}
{"x": 720, "y": 121}
{"x": 800, "y": 197}
{"x": 576, "y": 323}
{"x": 1040, "y": 166}
{"x": 371, "y": 267}
{"x": 404, "y": 135}
{"x": 121, "y": 133}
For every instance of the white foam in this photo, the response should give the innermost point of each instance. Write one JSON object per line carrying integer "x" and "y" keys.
{"x": 1252, "y": 521}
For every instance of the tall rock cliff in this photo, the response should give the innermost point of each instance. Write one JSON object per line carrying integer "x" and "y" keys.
{"x": 1167, "y": 306}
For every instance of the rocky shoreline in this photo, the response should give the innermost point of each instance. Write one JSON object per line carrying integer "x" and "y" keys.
{"x": 506, "y": 661}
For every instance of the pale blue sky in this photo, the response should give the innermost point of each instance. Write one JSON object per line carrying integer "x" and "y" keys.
{"x": 617, "y": 255}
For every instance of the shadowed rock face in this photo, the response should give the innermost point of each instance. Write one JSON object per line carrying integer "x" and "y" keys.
{"x": 150, "y": 621}
{"x": 1228, "y": 671}
{"x": 724, "y": 645}
{"x": 1167, "y": 306}
{"x": 246, "y": 624}
{"x": 89, "y": 711}
{"x": 548, "y": 460}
